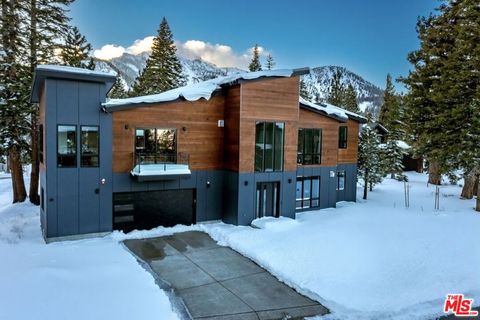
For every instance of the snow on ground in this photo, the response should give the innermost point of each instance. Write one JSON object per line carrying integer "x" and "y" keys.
{"x": 87, "y": 279}
{"x": 372, "y": 259}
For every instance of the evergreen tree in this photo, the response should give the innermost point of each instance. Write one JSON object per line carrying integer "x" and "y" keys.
{"x": 336, "y": 90}
{"x": 443, "y": 103}
{"x": 163, "y": 70}
{"x": 369, "y": 165}
{"x": 390, "y": 109}
{"x": 392, "y": 156}
{"x": 76, "y": 50}
{"x": 255, "y": 64}
{"x": 14, "y": 107}
{"x": 118, "y": 90}
{"x": 350, "y": 101}
{"x": 270, "y": 62}
{"x": 46, "y": 24}
{"x": 304, "y": 91}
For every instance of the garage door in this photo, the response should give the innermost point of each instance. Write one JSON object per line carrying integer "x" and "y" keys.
{"x": 147, "y": 210}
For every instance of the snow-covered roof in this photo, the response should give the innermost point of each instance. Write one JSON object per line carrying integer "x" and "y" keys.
{"x": 66, "y": 72}
{"x": 199, "y": 90}
{"x": 68, "y": 69}
{"x": 333, "y": 111}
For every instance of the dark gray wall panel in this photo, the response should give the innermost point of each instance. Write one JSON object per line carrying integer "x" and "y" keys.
{"x": 67, "y": 102}
{"x": 287, "y": 199}
{"x": 154, "y": 185}
{"x": 89, "y": 202}
{"x": 214, "y": 195}
{"x": 122, "y": 182}
{"x": 50, "y": 142}
{"x": 201, "y": 208}
{"x": 89, "y": 103}
{"x": 189, "y": 183}
{"x": 246, "y": 197}
{"x": 67, "y": 201}
{"x": 230, "y": 197}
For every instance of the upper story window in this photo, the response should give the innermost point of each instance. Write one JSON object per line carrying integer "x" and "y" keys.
{"x": 66, "y": 146}
{"x": 269, "y": 141}
{"x": 309, "y": 150}
{"x": 156, "y": 145}
{"x": 89, "y": 153}
{"x": 342, "y": 137}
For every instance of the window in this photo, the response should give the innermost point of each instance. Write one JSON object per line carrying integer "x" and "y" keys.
{"x": 89, "y": 154}
{"x": 342, "y": 137}
{"x": 40, "y": 142}
{"x": 269, "y": 140}
{"x": 307, "y": 192}
{"x": 341, "y": 180}
{"x": 66, "y": 146}
{"x": 155, "y": 145}
{"x": 309, "y": 149}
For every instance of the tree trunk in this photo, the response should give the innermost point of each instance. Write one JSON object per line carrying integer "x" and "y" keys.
{"x": 434, "y": 176}
{"x": 475, "y": 185}
{"x": 371, "y": 186}
{"x": 468, "y": 185}
{"x": 392, "y": 175}
{"x": 478, "y": 196}
{"x": 18, "y": 185}
{"x": 34, "y": 174}
{"x": 365, "y": 187}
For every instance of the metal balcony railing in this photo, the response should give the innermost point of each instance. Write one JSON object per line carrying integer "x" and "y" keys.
{"x": 160, "y": 161}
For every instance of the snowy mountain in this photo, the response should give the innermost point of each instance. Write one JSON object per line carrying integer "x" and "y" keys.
{"x": 317, "y": 82}
{"x": 370, "y": 97}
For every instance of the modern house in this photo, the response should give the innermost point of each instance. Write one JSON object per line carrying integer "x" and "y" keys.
{"x": 234, "y": 148}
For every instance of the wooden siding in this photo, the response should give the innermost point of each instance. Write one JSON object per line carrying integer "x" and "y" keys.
{"x": 310, "y": 119}
{"x": 350, "y": 154}
{"x": 232, "y": 128}
{"x": 203, "y": 140}
{"x": 269, "y": 100}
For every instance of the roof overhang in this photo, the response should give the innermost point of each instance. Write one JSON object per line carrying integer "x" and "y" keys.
{"x": 323, "y": 113}
{"x": 43, "y": 72}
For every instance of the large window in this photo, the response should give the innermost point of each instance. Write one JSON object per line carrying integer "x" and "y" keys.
{"x": 307, "y": 192}
{"x": 156, "y": 145}
{"x": 269, "y": 140}
{"x": 342, "y": 137}
{"x": 341, "y": 180}
{"x": 40, "y": 142}
{"x": 66, "y": 146}
{"x": 309, "y": 146}
{"x": 89, "y": 154}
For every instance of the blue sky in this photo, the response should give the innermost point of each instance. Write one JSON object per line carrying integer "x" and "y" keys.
{"x": 370, "y": 37}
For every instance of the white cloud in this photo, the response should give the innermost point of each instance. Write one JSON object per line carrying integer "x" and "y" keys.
{"x": 218, "y": 54}
{"x": 109, "y": 51}
{"x": 141, "y": 45}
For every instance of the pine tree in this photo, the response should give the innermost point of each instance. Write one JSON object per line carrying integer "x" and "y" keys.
{"x": 337, "y": 90}
{"x": 350, "y": 101}
{"x": 392, "y": 156}
{"x": 390, "y": 109}
{"x": 163, "y": 70}
{"x": 369, "y": 165}
{"x": 304, "y": 91}
{"x": 14, "y": 109}
{"x": 443, "y": 104}
{"x": 255, "y": 64}
{"x": 47, "y": 23}
{"x": 118, "y": 90}
{"x": 270, "y": 62}
{"x": 76, "y": 50}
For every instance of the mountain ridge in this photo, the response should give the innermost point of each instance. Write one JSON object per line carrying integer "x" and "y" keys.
{"x": 370, "y": 97}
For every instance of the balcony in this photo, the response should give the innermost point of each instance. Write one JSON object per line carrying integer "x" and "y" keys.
{"x": 158, "y": 167}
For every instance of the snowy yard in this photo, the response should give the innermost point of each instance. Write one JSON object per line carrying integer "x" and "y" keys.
{"x": 373, "y": 259}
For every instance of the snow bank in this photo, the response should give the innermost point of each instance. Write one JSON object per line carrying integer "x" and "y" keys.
{"x": 271, "y": 223}
{"x": 199, "y": 90}
{"x": 373, "y": 259}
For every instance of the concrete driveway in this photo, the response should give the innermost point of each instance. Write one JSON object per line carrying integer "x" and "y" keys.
{"x": 215, "y": 282}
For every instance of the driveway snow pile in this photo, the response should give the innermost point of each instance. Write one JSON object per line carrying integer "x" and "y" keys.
{"x": 88, "y": 279}
{"x": 373, "y": 259}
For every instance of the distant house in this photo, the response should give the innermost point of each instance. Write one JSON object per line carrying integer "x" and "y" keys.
{"x": 234, "y": 148}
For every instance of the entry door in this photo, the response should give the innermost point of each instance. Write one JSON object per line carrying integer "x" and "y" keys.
{"x": 267, "y": 199}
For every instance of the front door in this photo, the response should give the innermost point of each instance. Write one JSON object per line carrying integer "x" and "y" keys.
{"x": 267, "y": 199}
